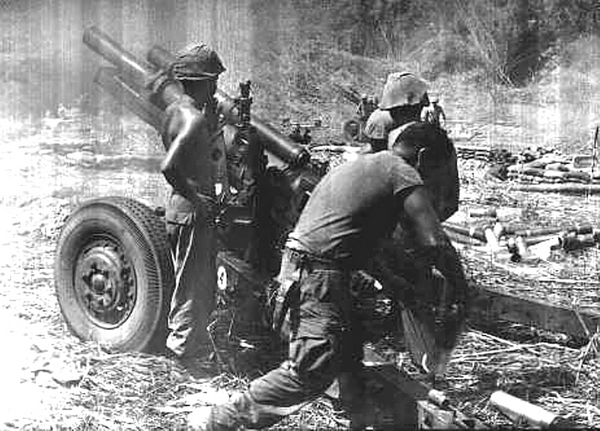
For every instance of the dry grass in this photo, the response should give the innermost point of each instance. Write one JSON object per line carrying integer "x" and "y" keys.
{"x": 131, "y": 391}
{"x": 138, "y": 392}
{"x": 134, "y": 391}
{"x": 547, "y": 374}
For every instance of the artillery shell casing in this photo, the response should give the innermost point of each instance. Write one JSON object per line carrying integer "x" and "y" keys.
{"x": 521, "y": 246}
{"x": 438, "y": 398}
{"x": 491, "y": 239}
{"x": 520, "y": 411}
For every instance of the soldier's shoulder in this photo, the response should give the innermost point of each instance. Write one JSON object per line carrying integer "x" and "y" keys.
{"x": 378, "y": 124}
{"x": 380, "y": 116}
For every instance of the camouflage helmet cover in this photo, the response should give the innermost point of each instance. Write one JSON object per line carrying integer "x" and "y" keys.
{"x": 401, "y": 89}
{"x": 197, "y": 62}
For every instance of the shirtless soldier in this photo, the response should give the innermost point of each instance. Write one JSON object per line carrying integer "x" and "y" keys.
{"x": 188, "y": 169}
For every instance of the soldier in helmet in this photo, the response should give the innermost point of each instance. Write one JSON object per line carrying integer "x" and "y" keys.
{"x": 404, "y": 97}
{"x": 434, "y": 113}
{"x": 190, "y": 133}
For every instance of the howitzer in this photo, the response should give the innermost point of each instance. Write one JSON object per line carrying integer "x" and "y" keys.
{"x": 113, "y": 267}
{"x": 365, "y": 105}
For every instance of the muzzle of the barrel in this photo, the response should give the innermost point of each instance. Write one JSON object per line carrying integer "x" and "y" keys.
{"x": 277, "y": 144}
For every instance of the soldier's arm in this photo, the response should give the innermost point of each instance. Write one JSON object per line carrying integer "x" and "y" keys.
{"x": 446, "y": 184}
{"x": 434, "y": 246}
{"x": 442, "y": 117}
{"x": 183, "y": 126}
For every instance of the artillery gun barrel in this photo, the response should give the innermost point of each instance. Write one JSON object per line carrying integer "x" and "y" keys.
{"x": 136, "y": 99}
{"x": 137, "y": 70}
{"x": 103, "y": 45}
{"x": 277, "y": 144}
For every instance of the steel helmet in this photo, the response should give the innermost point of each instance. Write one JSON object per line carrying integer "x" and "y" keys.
{"x": 197, "y": 62}
{"x": 401, "y": 89}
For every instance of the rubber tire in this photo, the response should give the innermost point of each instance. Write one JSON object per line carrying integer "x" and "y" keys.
{"x": 142, "y": 236}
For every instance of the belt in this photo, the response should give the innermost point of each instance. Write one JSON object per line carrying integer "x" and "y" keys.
{"x": 288, "y": 291}
{"x": 311, "y": 262}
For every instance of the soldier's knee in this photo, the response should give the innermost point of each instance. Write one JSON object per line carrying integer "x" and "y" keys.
{"x": 317, "y": 362}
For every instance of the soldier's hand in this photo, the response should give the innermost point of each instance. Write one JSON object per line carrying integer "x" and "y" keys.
{"x": 363, "y": 282}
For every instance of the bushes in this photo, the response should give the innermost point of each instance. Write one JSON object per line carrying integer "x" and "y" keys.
{"x": 448, "y": 54}
{"x": 501, "y": 38}
{"x": 479, "y": 42}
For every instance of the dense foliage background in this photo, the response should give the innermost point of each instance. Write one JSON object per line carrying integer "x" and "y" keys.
{"x": 482, "y": 56}
{"x": 511, "y": 39}
{"x": 478, "y": 54}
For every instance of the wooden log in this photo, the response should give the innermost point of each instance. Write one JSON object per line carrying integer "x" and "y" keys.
{"x": 577, "y": 175}
{"x": 520, "y": 230}
{"x": 472, "y": 148}
{"x": 491, "y": 305}
{"x": 463, "y": 239}
{"x": 476, "y": 233}
{"x": 517, "y": 170}
{"x": 571, "y": 188}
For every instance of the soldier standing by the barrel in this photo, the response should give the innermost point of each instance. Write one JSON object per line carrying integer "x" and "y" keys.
{"x": 189, "y": 212}
{"x": 404, "y": 96}
{"x": 351, "y": 209}
{"x": 434, "y": 113}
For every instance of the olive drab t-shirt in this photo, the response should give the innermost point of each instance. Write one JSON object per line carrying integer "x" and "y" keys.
{"x": 355, "y": 206}
{"x": 443, "y": 182}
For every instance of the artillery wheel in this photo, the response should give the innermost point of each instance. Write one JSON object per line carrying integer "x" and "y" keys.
{"x": 114, "y": 275}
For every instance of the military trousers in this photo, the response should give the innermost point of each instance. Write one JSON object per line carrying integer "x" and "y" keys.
{"x": 324, "y": 343}
{"x": 192, "y": 248}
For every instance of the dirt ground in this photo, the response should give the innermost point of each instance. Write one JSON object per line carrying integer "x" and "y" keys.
{"x": 47, "y": 170}
{"x": 51, "y": 379}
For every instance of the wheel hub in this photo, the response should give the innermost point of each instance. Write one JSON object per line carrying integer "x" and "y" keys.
{"x": 105, "y": 283}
